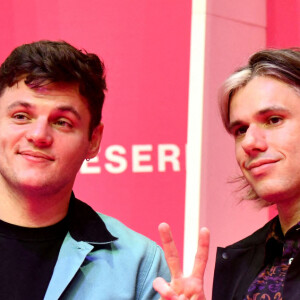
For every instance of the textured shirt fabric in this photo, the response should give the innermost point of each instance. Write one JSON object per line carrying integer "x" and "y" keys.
{"x": 238, "y": 265}
{"x": 280, "y": 252}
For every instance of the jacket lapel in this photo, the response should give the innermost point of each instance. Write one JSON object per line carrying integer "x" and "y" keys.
{"x": 235, "y": 270}
{"x": 70, "y": 259}
{"x": 239, "y": 264}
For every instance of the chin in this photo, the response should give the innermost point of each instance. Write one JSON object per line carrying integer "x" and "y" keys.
{"x": 274, "y": 196}
{"x": 34, "y": 185}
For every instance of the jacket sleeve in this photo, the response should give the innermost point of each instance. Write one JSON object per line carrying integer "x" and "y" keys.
{"x": 154, "y": 265}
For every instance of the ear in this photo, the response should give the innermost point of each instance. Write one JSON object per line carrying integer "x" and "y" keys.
{"x": 95, "y": 141}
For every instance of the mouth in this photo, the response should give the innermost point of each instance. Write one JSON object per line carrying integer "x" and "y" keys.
{"x": 35, "y": 155}
{"x": 259, "y": 163}
{"x": 260, "y": 167}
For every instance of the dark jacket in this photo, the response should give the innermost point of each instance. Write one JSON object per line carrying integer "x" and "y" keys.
{"x": 238, "y": 265}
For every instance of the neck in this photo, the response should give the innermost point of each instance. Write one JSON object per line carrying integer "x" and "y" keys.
{"x": 33, "y": 208}
{"x": 289, "y": 214}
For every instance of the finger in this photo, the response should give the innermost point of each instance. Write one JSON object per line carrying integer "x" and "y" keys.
{"x": 170, "y": 250}
{"x": 164, "y": 289}
{"x": 202, "y": 253}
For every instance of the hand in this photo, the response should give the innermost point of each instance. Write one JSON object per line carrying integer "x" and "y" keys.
{"x": 182, "y": 288}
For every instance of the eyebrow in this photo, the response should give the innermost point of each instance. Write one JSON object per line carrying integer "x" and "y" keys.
{"x": 274, "y": 108}
{"x": 19, "y": 103}
{"x": 262, "y": 112}
{"x": 63, "y": 108}
{"x": 70, "y": 109}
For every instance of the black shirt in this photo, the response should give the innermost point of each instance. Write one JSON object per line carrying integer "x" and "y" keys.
{"x": 28, "y": 257}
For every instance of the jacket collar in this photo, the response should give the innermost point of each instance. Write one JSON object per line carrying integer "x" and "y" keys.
{"x": 86, "y": 225}
{"x": 257, "y": 238}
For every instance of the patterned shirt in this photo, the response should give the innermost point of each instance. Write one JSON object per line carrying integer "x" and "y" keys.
{"x": 280, "y": 252}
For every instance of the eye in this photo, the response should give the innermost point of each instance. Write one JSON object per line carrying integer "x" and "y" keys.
{"x": 275, "y": 120}
{"x": 64, "y": 123}
{"x": 239, "y": 131}
{"x": 21, "y": 117}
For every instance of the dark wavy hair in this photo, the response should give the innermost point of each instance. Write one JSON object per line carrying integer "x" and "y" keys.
{"x": 45, "y": 62}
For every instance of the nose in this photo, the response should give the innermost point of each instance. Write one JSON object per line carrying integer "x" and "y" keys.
{"x": 254, "y": 140}
{"x": 39, "y": 133}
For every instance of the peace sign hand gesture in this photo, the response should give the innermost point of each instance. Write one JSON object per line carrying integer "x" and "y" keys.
{"x": 182, "y": 288}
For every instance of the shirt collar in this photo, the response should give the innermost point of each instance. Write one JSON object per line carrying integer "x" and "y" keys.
{"x": 275, "y": 231}
{"x": 275, "y": 239}
{"x": 86, "y": 225}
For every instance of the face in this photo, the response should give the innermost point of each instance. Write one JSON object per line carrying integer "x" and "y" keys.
{"x": 265, "y": 122}
{"x": 44, "y": 137}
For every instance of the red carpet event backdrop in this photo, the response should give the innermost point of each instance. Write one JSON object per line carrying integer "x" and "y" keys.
{"x": 139, "y": 175}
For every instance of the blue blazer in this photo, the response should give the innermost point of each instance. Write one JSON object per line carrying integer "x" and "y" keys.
{"x": 101, "y": 258}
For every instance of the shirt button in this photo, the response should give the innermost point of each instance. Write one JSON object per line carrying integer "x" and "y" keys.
{"x": 225, "y": 255}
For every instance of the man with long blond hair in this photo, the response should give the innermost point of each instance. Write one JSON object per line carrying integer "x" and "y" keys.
{"x": 260, "y": 108}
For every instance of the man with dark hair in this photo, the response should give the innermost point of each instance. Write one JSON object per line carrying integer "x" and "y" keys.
{"x": 260, "y": 108}
{"x": 52, "y": 245}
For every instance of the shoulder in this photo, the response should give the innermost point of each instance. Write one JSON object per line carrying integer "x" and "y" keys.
{"x": 256, "y": 238}
{"x": 118, "y": 228}
{"x": 238, "y": 264}
{"x": 139, "y": 247}
{"x": 138, "y": 254}
{"x": 127, "y": 237}
{"x": 91, "y": 226}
